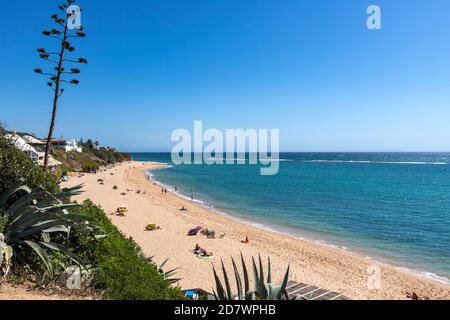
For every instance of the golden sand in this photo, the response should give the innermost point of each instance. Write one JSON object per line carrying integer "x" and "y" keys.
{"x": 319, "y": 265}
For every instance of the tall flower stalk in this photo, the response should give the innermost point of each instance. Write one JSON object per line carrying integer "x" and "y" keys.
{"x": 63, "y": 33}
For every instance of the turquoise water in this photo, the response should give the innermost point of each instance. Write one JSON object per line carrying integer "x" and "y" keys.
{"x": 391, "y": 206}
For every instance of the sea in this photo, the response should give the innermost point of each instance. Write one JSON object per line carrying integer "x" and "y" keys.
{"x": 392, "y": 207}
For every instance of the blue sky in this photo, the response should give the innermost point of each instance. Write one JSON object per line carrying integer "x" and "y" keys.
{"x": 310, "y": 68}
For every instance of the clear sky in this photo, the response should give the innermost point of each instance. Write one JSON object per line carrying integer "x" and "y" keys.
{"x": 310, "y": 68}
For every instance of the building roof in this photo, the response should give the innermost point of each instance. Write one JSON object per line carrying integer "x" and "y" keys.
{"x": 19, "y": 142}
{"x": 32, "y": 140}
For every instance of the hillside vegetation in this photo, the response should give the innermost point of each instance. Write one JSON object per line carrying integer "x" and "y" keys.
{"x": 90, "y": 159}
{"x": 55, "y": 233}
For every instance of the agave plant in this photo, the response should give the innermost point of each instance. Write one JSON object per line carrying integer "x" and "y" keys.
{"x": 37, "y": 224}
{"x": 261, "y": 290}
{"x": 167, "y": 275}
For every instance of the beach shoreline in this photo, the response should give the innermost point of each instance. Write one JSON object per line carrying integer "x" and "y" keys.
{"x": 296, "y": 234}
{"x": 313, "y": 263}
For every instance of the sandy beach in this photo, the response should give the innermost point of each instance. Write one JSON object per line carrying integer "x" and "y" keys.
{"x": 310, "y": 262}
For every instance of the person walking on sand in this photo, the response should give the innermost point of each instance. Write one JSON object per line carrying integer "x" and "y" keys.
{"x": 162, "y": 191}
{"x": 192, "y": 197}
{"x": 165, "y": 190}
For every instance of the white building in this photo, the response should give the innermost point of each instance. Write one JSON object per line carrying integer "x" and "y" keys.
{"x": 32, "y": 140}
{"x": 36, "y": 156}
{"x": 71, "y": 145}
{"x": 23, "y": 146}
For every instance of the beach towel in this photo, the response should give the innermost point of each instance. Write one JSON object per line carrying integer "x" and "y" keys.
{"x": 193, "y": 232}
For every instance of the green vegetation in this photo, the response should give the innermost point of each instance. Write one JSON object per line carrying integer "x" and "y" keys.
{"x": 261, "y": 290}
{"x": 90, "y": 160}
{"x": 15, "y": 165}
{"x": 38, "y": 223}
{"x": 36, "y": 243}
{"x": 121, "y": 270}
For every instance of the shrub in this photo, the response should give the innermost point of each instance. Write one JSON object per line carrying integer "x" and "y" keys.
{"x": 14, "y": 164}
{"x": 90, "y": 167}
{"x": 120, "y": 268}
{"x": 37, "y": 227}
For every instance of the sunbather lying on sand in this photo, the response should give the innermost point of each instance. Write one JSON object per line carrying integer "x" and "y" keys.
{"x": 202, "y": 252}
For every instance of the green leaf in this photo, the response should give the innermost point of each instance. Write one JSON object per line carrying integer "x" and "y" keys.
{"x": 41, "y": 254}
{"x": 262, "y": 288}
{"x": 244, "y": 269}
{"x": 8, "y": 192}
{"x": 227, "y": 282}
{"x": 285, "y": 281}
{"x": 219, "y": 287}
{"x": 255, "y": 276}
{"x": 238, "y": 279}
{"x": 32, "y": 197}
{"x": 40, "y": 227}
{"x": 65, "y": 250}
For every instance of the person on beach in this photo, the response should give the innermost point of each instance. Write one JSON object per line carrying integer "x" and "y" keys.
{"x": 192, "y": 197}
{"x": 176, "y": 189}
{"x": 202, "y": 252}
{"x": 162, "y": 191}
{"x": 246, "y": 240}
{"x": 165, "y": 190}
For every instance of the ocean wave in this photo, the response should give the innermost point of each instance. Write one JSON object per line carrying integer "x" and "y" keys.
{"x": 426, "y": 274}
{"x": 377, "y": 162}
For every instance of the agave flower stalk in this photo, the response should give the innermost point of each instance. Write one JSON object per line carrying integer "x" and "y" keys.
{"x": 63, "y": 35}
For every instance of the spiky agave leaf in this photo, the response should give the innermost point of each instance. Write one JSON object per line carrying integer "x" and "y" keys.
{"x": 11, "y": 190}
{"x": 255, "y": 276}
{"x": 227, "y": 282}
{"x": 30, "y": 198}
{"x": 262, "y": 291}
{"x": 65, "y": 250}
{"x": 246, "y": 281}
{"x": 285, "y": 281}
{"x": 219, "y": 287}
{"x": 40, "y": 253}
{"x": 238, "y": 280}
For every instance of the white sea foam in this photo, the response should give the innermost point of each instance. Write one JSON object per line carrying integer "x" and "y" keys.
{"x": 425, "y": 274}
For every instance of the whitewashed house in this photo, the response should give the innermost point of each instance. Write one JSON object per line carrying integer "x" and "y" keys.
{"x": 71, "y": 145}
{"x": 32, "y": 140}
{"x": 36, "y": 156}
{"x": 21, "y": 144}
